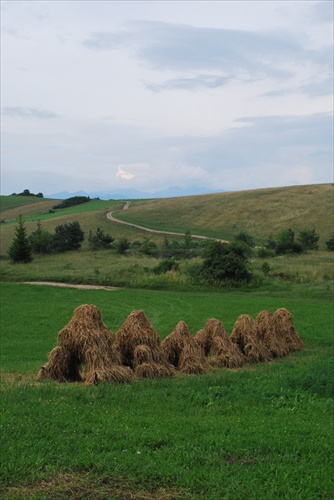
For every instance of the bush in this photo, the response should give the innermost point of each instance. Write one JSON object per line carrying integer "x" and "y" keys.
{"x": 166, "y": 265}
{"x": 308, "y": 239}
{"x": 330, "y": 244}
{"x": 148, "y": 247}
{"x": 99, "y": 240}
{"x": 284, "y": 243}
{"x": 67, "y": 237}
{"x": 225, "y": 262}
{"x": 245, "y": 238}
{"x": 122, "y": 245}
{"x": 73, "y": 201}
{"x": 41, "y": 240}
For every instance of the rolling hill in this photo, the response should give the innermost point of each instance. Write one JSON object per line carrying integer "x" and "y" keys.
{"x": 259, "y": 212}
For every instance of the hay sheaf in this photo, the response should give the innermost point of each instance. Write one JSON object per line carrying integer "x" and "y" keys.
{"x": 284, "y": 329}
{"x": 136, "y": 331}
{"x": 244, "y": 335}
{"x": 145, "y": 367}
{"x": 85, "y": 344}
{"x": 217, "y": 345}
{"x": 270, "y": 335}
{"x": 62, "y": 366}
{"x": 183, "y": 352}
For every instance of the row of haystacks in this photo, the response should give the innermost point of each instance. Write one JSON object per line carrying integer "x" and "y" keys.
{"x": 87, "y": 351}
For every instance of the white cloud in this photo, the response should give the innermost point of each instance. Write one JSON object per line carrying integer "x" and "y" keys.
{"x": 123, "y": 174}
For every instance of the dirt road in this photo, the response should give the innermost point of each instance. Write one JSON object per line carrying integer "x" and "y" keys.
{"x": 147, "y": 229}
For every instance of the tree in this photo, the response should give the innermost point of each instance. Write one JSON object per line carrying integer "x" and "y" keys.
{"x": 41, "y": 240}
{"x": 122, "y": 245}
{"x": 330, "y": 244}
{"x": 20, "y": 248}
{"x": 148, "y": 247}
{"x": 284, "y": 243}
{"x": 245, "y": 238}
{"x": 67, "y": 237}
{"x": 225, "y": 262}
{"x": 308, "y": 239}
{"x": 99, "y": 240}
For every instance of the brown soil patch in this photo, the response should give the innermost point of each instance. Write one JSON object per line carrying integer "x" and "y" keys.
{"x": 71, "y": 285}
{"x": 77, "y": 486}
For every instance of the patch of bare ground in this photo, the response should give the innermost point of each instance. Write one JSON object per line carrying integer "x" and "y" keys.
{"x": 71, "y": 285}
{"x": 79, "y": 486}
{"x": 19, "y": 378}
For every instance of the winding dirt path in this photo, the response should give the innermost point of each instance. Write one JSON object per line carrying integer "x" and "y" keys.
{"x": 71, "y": 285}
{"x": 147, "y": 229}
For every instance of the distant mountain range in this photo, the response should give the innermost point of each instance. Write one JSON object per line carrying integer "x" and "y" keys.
{"x": 131, "y": 194}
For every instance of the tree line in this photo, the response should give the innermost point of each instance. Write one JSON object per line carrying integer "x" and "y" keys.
{"x": 221, "y": 262}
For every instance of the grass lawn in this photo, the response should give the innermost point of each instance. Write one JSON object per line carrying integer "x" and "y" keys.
{"x": 261, "y": 432}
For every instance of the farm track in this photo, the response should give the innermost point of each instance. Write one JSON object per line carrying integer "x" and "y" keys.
{"x": 156, "y": 231}
{"x": 70, "y": 285}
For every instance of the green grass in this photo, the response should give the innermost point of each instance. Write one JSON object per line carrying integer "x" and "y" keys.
{"x": 259, "y": 212}
{"x": 13, "y": 202}
{"x": 261, "y": 432}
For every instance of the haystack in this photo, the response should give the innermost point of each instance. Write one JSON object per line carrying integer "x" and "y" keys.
{"x": 140, "y": 347}
{"x": 145, "y": 367}
{"x": 85, "y": 344}
{"x": 217, "y": 345}
{"x": 270, "y": 336}
{"x": 62, "y": 366}
{"x": 244, "y": 335}
{"x": 183, "y": 352}
{"x": 284, "y": 329}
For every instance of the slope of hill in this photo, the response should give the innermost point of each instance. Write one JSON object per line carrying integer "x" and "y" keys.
{"x": 258, "y": 212}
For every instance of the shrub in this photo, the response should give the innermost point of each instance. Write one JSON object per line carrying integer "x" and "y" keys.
{"x": 245, "y": 238}
{"x": 225, "y": 262}
{"x": 122, "y": 245}
{"x": 166, "y": 265}
{"x": 67, "y": 237}
{"x": 330, "y": 244}
{"x": 41, "y": 240}
{"x": 148, "y": 247}
{"x": 73, "y": 201}
{"x": 99, "y": 240}
{"x": 308, "y": 239}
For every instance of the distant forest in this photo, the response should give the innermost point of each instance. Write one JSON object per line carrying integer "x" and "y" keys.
{"x": 26, "y": 192}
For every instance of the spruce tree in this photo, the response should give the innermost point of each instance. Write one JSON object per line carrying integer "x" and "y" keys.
{"x": 20, "y": 248}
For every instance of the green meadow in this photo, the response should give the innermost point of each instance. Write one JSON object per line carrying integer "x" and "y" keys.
{"x": 260, "y": 432}
{"x": 263, "y": 431}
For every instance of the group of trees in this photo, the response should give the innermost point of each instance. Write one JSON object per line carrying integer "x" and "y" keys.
{"x": 66, "y": 237}
{"x": 26, "y": 192}
{"x": 72, "y": 202}
{"x": 221, "y": 262}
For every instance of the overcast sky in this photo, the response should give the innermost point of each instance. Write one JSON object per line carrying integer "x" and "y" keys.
{"x": 222, "y": 95}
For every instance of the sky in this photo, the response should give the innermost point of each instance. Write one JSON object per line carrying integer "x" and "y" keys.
{"x": 146, "y": 95}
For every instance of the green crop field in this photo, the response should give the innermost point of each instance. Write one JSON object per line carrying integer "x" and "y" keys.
{"x": 263, "y": 431}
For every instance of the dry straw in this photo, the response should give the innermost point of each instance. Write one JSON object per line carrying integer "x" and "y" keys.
{"x": 218, "y": 347}
{"x": 85, "y": 344}
{"x": 270, "y": 335}
{"x": 244, "y": 335}
{"x": 140, "y": 347}
{"x": 183, "y": 352}
{"x": 284, "y": 329}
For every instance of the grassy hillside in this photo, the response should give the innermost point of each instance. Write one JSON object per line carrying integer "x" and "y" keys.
{"x": 259, "y": 212}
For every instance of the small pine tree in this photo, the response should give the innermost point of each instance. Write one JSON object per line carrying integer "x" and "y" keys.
{"x": 20, "y": 248}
